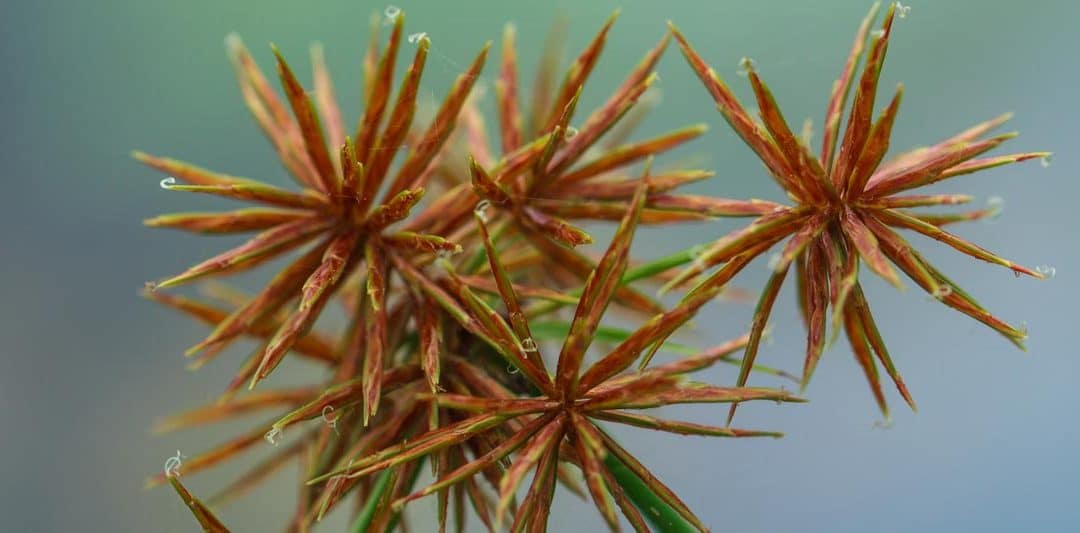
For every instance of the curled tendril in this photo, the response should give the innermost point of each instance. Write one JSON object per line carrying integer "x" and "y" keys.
{"x": 172, "y": 465}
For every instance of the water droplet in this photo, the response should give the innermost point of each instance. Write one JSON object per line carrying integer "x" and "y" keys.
{"x": 774, "y": 261}
{"x": 995, "y": 205}
{"x": 1023, "y": 329}
{"x": 697, "y": 250}
{"x": 652, "y": 97}
{"x": 511, "y": 369}
{"x": 481, "y": 210}
{"x": 529, "y": 345}
{"x": 480, "y": 89}
{"x": 699, "y": 264}
{"x": 1047, "y": 271}
{"x": 417, "y": 37}
{"x": 392, "y": 12}
{"x": 1045, "y": 161}
{"x": 570, "y": 133}
{"x": 883, "y": 424}
{"x": 172, "y": 465}
{"x": 444, "y": 264}
{"x": 902, "y": 10}
{"x": 273, "y": 436}
{"x": 168, "y": 183}
{"x": 943, "y": 291}
{"x": 746, "y": 65}
{"x": 150, "y": 286}
{"x": 807, "y": 133}
{"x": 878, "y": 33}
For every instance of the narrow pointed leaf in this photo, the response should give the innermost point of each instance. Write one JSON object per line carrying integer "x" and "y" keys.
{"x": 873, "y": 338}
{"x": 310, "y": 127}
{"x": 733, "y": 112}
{"x": 401, "y": 118}
{"x": 485, "y": 187}
{"x": 591, "y": 466}
{"x": 616, "y": 106}
{"x": 327, "y": 100}
{"x": 238, "y": 407}
{"x": 597, "y": 295}
{"x": 858, "y": 126}
{"x": 375, "y": 353}
{"x": 368, "y": 129}
{"x": 867, "y": 245}
{"x": 840, "y": 90}
{"x": 649, "y": 480}
{"x": 268, "y": 243}
{"x": 857, "y": 338}
{"x": 757, "y": 328}
{"x": 396, "y": 209}
{"x": 314, "y": 294}
{"x": 545, "y": 439}
{"x": 271, "y": 114}
{"x": 239, "y": 221}
{"x": 203, "y": 514}
{"x": 877, "y": 144}
{"x": 489, "y": 459}
{"x": 577, "y": 74}
{"x": 896, "y": 218}
{"x": 433, "y": 139}
{"x": 506, "y": 90}
{"x": 282, "y": 288}
{"x": 258, "y": 192}
{"x": 556, "y": 228}
{"x": 509, "y": 298}
{"x": 427, "y": 322}
{"x": 653, "y": 331}
{"x": 419, "y": 242}
{"x": 679, "y": 427}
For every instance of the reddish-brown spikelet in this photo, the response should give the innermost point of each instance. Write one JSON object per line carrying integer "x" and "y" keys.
{"x": 848, "y": 205}
{"x": 202, "y": 513}
{"x": 335, "y": 213}
{"x": 559, "y": 423}
{"x": 553, "y": 176}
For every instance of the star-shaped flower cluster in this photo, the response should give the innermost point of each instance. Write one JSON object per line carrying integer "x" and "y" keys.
{"x": 475, "y": 336}
{"x": 848, "y": 202}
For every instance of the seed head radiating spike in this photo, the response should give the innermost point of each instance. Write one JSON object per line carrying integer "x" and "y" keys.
{"x": 846, "y": 208}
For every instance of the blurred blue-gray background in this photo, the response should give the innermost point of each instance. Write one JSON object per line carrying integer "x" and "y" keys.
{"x": 86, "y": 366}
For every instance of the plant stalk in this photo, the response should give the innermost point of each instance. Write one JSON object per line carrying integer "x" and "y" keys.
{"x": 654, "y": 509}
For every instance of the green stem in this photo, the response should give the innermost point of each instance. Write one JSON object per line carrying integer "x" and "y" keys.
{"x": 631, "y": 275}
{"x": 654, "y": 509}
{"x": 367, "y": 514}
{"x": 382, "y": 484}
{"x": 412, "y": 483}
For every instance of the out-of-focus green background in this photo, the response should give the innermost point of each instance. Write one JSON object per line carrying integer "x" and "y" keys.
{"x": 86, "y": 366}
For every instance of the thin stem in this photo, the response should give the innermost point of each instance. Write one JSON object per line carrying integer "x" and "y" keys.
{"x": 367, "y": 514}
{"x": 382, "y": 484}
